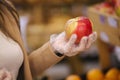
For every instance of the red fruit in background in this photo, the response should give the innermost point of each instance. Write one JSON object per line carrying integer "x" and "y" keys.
{"x": 105, "y": 4}
{"x": 105, "y": 7}
{"x": 112, "y": 2}
{"x": 81, "y": 26}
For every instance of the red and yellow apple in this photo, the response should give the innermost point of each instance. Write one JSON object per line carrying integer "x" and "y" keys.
{"x": 81, "y": 26}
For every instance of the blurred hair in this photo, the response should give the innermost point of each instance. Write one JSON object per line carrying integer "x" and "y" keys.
{"x": 8, "y": 14}
{"x": 10, "y": 26}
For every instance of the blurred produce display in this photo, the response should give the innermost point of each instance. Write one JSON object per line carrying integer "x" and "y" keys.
{"x": 111, "y": 7}
{"x": 97, "y": 74}
{"x": 105, "y": 7}
{"x": 106, "y": 23}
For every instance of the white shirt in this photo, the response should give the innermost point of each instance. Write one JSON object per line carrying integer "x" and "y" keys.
{"x": 11, "y": 55}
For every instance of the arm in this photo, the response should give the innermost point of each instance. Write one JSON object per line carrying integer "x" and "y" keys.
{"x": 42, "y": 58}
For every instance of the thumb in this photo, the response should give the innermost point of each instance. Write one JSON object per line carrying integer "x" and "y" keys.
{"x": 72, "y": 40}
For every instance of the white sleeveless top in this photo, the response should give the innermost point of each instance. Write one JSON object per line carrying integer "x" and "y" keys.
{"x": 11, "y": 55}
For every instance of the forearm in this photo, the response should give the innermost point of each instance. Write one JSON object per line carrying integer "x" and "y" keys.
{"x": 42, "y": 58}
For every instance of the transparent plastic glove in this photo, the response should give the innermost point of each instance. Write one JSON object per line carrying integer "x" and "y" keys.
{"x": 68, "y": 47}
{"x": 5, "y": 75}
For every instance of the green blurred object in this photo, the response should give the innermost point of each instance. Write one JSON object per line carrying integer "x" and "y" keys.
{"x": 118, "y": 11}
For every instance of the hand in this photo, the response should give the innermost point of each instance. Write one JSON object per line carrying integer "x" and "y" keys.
{"x": 68, "y": 47}
{"x": 5, "y": 75}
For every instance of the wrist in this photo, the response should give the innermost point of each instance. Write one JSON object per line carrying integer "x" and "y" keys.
{"x": 59, "y": 54}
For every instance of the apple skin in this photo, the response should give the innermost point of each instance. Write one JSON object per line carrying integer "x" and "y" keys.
{"x": 81, "y": 26}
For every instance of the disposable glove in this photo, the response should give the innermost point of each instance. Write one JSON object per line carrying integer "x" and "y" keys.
{"x": 67, "y": 47}
{"x": 5, "y": 75}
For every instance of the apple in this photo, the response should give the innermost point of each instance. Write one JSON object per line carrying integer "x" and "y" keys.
{"x": 81, "y": 26}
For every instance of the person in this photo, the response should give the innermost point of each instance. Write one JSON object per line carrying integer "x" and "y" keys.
{"x": 15, "y": 64}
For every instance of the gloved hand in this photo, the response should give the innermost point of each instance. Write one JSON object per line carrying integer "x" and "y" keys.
{"x": 5, "y": 75}
{"x": 68, "y": 48}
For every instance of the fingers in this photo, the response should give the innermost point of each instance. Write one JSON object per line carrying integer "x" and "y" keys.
{"x": 70, "y": 48}
{"x": 72, "y": 40}
{"x": 82, "y": 45}
{"x": 92, "y": 37}
{"x": 78, "y": 48}
{"x": 70, "y": 43}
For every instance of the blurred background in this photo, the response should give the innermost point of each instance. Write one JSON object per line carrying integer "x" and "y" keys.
{"x": 41, "y": 18}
